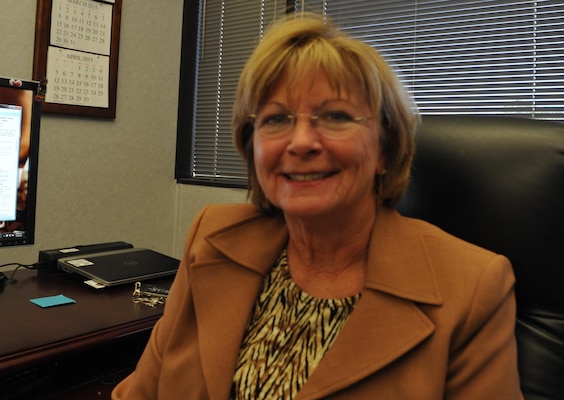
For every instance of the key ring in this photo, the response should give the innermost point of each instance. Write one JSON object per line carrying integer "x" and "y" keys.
{"x": 149, "y": 295}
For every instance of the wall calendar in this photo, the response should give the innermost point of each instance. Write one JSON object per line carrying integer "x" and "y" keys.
{"x": 76, "y": 50}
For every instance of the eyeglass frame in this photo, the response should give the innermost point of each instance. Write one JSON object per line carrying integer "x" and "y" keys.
{"x": 314, "y": 120}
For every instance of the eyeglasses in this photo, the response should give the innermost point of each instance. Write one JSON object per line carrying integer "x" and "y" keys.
{"x": 331, "y": 123}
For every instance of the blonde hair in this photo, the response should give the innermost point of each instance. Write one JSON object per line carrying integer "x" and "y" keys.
{"x": 297, "y": 45}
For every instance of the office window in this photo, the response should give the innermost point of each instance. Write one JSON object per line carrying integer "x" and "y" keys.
{"x": 488, "y": 57}
{"x": 218, "y": 37}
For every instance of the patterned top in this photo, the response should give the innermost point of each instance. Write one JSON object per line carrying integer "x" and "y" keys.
{"x": 288, "y": 335}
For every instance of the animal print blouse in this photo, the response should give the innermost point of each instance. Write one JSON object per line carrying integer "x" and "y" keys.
{"x": 288, "y": 335}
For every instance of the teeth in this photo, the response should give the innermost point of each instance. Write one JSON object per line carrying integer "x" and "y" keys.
{"x": 306, "y": 177}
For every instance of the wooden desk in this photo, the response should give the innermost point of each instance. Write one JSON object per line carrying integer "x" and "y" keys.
{"x": 44, "y": 351}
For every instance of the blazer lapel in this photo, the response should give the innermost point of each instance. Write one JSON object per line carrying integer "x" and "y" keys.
{"x": 224, "y": 296}
{"x": 386, "y": 323}
{"x": 380, "y": 330}
{"x": 225, "y": 290}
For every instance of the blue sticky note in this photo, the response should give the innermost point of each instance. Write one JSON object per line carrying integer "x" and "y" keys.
{"x": 52, "y": 301}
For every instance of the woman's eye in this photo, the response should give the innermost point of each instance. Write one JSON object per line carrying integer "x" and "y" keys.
{"x": 335, "y": 116}
{"x": 275, "y": 120}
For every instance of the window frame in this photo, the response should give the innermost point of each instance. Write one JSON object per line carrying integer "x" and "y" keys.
{"x": 186, "y": 128}
{"x": 186, "y": 124}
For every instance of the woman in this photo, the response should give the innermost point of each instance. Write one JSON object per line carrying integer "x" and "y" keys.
{"x": 319, "y": 289}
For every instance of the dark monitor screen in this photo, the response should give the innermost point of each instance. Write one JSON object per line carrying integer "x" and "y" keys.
{"x": 20, "y": 109}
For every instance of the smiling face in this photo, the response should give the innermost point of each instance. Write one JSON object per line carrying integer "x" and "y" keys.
{"x": 305, "y": 171}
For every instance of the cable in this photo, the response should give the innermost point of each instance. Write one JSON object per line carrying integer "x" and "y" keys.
{"x": 18, "y": 266}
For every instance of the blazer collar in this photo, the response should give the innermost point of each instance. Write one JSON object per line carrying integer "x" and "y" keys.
{"x": 254, "y": 242}
{"x": 398, "y": 262}
{"x": 386, "y": 323}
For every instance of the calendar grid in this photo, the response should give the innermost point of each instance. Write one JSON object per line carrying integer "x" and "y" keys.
{"x": 77, "y": 54}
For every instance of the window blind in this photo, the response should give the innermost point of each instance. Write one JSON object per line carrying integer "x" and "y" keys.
{"x": 228, "y": 32}
{"x": 486, "y": 57}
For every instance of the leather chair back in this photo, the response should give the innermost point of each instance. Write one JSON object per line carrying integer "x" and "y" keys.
{"x": 498, "y": 182}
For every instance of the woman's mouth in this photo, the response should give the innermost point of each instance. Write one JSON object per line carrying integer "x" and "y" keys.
{"x": 308, "y": 177}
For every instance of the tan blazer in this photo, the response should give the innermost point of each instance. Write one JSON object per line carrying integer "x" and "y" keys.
{"x": 435, "y": 320}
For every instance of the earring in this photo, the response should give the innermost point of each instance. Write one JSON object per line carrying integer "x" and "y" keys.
{"x": 381, "y": 186}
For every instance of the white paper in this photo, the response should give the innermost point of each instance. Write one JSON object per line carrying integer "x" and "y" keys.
{"x": 77, "y": 78}
{"x": 84, "y": 25}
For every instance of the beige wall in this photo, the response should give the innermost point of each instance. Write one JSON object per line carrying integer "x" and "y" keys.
{"x": 109, "y": 180}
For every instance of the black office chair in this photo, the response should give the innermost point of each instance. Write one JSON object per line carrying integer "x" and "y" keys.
{"x": 499, "y": 182}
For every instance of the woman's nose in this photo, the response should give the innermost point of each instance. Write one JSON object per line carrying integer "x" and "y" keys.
{"x": 304, "y": 136}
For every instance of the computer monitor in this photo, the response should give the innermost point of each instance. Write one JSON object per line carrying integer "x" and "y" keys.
{"x": 20, "y": 109}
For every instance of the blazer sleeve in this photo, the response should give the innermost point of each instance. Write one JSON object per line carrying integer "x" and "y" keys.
{"x": 143, "y": 383}
{"x": 484, "y": 356}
